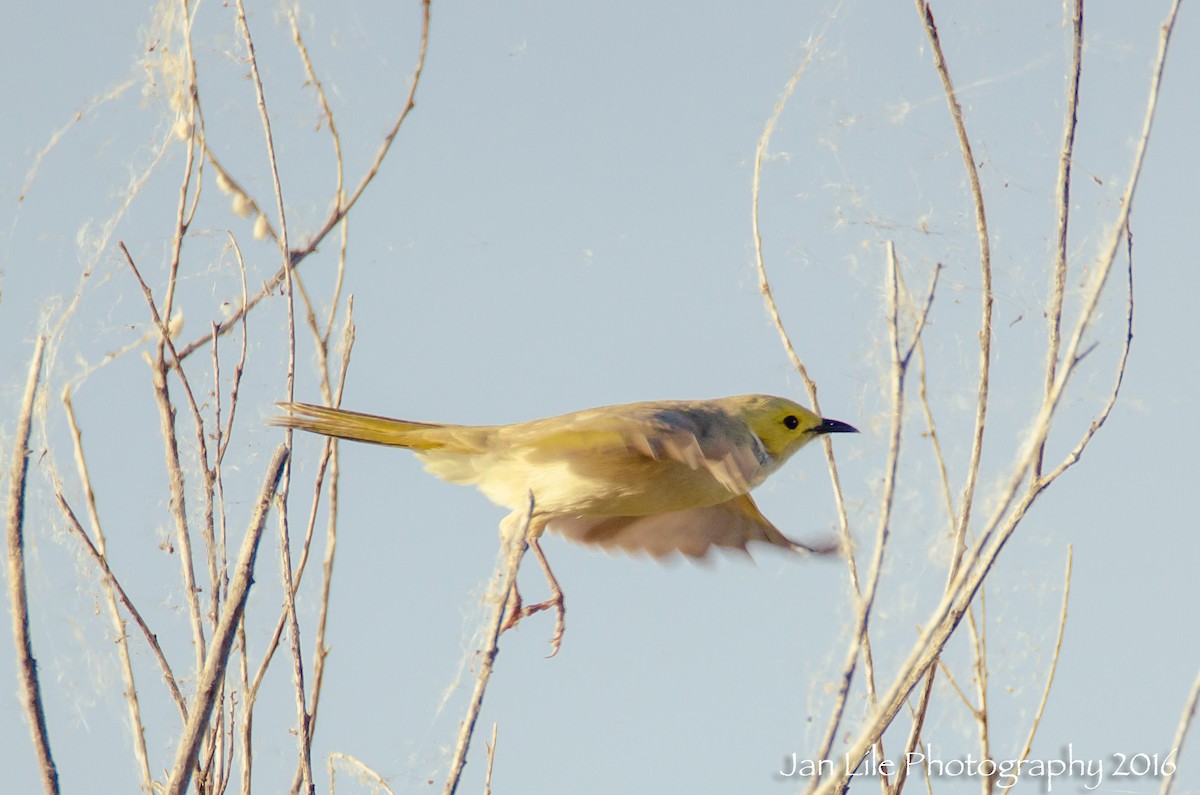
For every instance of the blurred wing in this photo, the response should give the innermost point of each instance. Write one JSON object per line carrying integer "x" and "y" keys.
{"x": 733, "y": 462}
{"x": 732, "y": 524}
{"x": 697, "y": 437}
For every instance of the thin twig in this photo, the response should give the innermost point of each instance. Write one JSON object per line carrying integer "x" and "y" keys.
{"x": 966, "y": 700}
{"x": 332, "y": 458}
{"x": 362, "y": 769}
{"x": 985, "y": 267}
{"x": 760, "y": 153}
{"x": 111, "y": 580}
{"x": 285, "y": 555}
{"x": 213, "y": 671}
{"x": 764, "y": 286}
{"x": 917, "y": 346}
{"x": 331, "y": 450}
{"x": 1101, "y": 417}
{"x": 136, "y": 727}
{"x": 978, "y": 632}
{"x": 514, "y": 535}
{"x": 182, "y": 217}
{"x": 1062, "y": 626}
{"x": 223, "y": 433}
{"x": 491, "y": 760}
{"x": 246, "y": 734}
{"x": 891, "y": 468}
{"x": 409, "y": 103}
{"x": 340, "y": 212}
{"x": 335, "y": 138}
{"x": 31, "y": 693}
{"x": 1065, "y": 160}
{"x": 166, "y": 410}
{"x": 1181, "y": 732}
{"x": 1010, "y": 509}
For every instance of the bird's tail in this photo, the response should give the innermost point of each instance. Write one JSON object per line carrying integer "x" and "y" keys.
{"x": 358, "y": 427}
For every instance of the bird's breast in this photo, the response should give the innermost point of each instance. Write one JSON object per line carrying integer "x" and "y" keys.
{"x": 613, "y": 485}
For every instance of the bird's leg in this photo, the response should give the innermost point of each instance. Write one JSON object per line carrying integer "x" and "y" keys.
{"x": 516, "y": 611}
{"x": 556, "y": 599}
{"x": 513, "y": 610}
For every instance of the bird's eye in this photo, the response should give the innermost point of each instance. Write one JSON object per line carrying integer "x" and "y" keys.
{"x": 791, "y": 421}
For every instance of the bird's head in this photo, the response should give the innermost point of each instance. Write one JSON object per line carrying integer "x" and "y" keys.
{"x": 782, "y": 425}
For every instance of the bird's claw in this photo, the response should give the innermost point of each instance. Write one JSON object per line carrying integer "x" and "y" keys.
{"x": 516, "y": 612}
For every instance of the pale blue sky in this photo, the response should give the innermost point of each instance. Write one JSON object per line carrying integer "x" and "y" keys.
{"x": 564, "y": 221}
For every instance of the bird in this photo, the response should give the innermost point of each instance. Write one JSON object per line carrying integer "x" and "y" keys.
{"x": 656, "y": 477}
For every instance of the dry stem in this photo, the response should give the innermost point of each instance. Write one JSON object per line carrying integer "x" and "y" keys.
{"x": 340, "y": 211}
{"x": 514, "y": 539}
{"x": 213, "y": 671}
{"x": 1010, "y": 509}
{"x": 31, "y": 694}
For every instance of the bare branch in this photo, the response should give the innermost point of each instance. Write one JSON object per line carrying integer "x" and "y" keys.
{"x": 1062, "y": 626}
{"x": 514, "y": 534}
{"x": 31, "y": 694}
{"x": 174, "y": 466}
{"x": 1102, "y": 416}
{"x": 361, "y": 768}
{"x": 764, "y": 286}
{"x": 985, "y": 265}
{"x": 491, "y": 760}
{"x": 1010, "y": 509}
{"x": 111, "y": 581}
{"x": 1065, "y": 159}
{"x": 340, "y": 212}
{"x": 1181, "y": 733}
{"x": 213, "y": 671}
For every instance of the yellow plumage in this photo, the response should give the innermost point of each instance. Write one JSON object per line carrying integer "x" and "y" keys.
{"x": 658, "y": 477}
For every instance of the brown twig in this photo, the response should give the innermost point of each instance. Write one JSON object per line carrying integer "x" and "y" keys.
{"x": 223, "y": 436}
{"x": 330, "y": 456}
{"x": 335, "y": 138}
{"x": 166, "y": 410}
{"x": 363, "y": 770}
{"x": 1101, "y": 417}
{"x": 339, "y": 212}
{"x": 31, "y": 693}
{"x": 246, "y": 734}
{"x": 137, "y": 728}
{"x": 213, "y": 671}
{"x": 1010, "y": 508}
{"x": 285, "y": 554}
{"x": 1181, "y": 732}
{"x": 111, "y": 580}
{"x": 985, "y": 266}
{"x": 491, "y": 760}
{"x": 1062, "y": 626}
{"x": 1065, "y": 160}
{"x": 182, "y": 216}
{"x": 977, "y": 629}
{"x": 772, "y": 308}
{"x": 883, "y": 531}
{"x": 514, "y": 535}
{"x": 922, "y": 708}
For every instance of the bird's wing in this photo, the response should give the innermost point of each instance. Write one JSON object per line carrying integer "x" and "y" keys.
{"x": 734, "y": 462}
{"x": 698, "y": 438}
{"x": 693, "y": 532}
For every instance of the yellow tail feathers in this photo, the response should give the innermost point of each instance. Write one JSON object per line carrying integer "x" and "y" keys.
{"x": 362, "y": 427}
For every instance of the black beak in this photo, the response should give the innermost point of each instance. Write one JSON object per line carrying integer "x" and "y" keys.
{"x": 834, "y": 426}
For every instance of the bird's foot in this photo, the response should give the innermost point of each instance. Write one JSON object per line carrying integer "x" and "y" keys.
{"x": 517, "y": 611}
